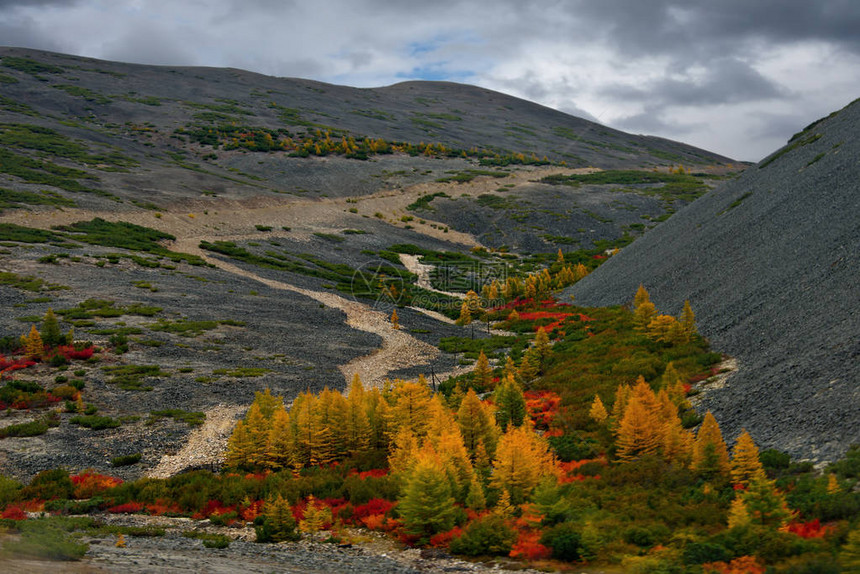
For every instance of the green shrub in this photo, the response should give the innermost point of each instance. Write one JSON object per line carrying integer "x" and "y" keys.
{"x": 701, "y": 552}
{"x": 125, "y": 460}
{"x": 486, "y": 536}
{"x": 10, "y": 490}
{"x": 564, "y": 540}
{"x": 209, "y": 540}
{"x": 65, "y": 392}
{"x": 95, "y": 422}
{"x": 48, "y": 485}
{"x": 32, "y": 428}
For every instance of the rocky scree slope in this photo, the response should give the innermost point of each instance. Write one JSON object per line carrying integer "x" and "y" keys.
{"x": 771, "y": 265}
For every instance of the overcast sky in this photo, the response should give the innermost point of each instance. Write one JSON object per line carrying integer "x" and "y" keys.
{"x": 737, "y": 77}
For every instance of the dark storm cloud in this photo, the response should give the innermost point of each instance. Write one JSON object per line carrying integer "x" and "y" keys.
{"x": 693, "y": 29}
{"x": 33, "y": 3}
{"x": 722, "y": 81}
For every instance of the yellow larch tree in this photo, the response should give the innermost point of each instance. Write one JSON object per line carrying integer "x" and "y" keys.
{"x": 440, "y": 419}
{"x": 674, "y": 385}
{"x": 745, "y": 462}
{"x": 465, "y": 317}
{"x": 622, "y": 397}
{"x": 404, "y": 447}
{"x": 455, "y": 461}
{"x": 410, "y": 408}
{"x": 476, "y": 425}
{"x": 522, "y": 459}
{"x": 710, "y": 455}
{"x": 33, "y": 345}
{"x": 358, "y": 431}
{"x": 643, "y": 391}
{"x": 665, "y": 329}
{"x": 316, "y": 516}
{"x": 332, "y": 413}
{"x": 542, "y": 347}
{"x": 688, "y": 321}
{"x": 395, "y": 321}
{"x": 739, "y": 515}
{"x": 597, "y": 411}
{"x": 378, "y": 417}
{"x": 482, "y": 376}
{"x": 280, "y": 447}
{"x": 310, "y": 438}
{"x": 638, "y": 432}
{"x": 529, "y": 366}
{"x": 247, "y": 445}
{"x": 641, "y": 296}
{"x": 676, "y": 442}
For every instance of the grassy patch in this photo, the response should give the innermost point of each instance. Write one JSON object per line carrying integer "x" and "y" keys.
{"x": 45, "y": 538}
{"x": 105, "y": 308}
{"x": 31, "y": 428}
{"x": 125, "y": 460}
{"x": 95, "y": 422}
{"x": 191, "y": 418}
{"x": 27, "y": 282}
{"x": 127, "y": 236}
{"x": 131, "y": 377}
{"x": 209, "y": 540}
{"x": 14, "y": 199}
{"x": 9, "y": 105}
{"x": 186, "y": 328}
{"x": 470, "y": 174}
{"x": 330, "y": 237}
{"x": 85, "y": 93}
{"x": 423, "y": 202}
{"x": 21, "y": 234}
{"x": 796, "y": 142}
{"x": 30, "y": 66}
{"x": 242, "y": 372}
{"x": 667, "y": 186}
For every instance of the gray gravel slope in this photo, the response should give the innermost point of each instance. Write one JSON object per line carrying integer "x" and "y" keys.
{"x": 769, "y": 263}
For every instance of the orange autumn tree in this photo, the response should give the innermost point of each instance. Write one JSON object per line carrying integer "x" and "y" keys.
{"x": 33, "y": 345}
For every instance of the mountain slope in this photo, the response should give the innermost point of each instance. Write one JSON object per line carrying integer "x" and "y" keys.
{"x": 771, "y": 265}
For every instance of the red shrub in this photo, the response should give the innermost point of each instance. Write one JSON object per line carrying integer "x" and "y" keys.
{"x": 811, "y": 529}
{"x": 90, "y": 483}
{"x": 71, "y": 353}
{"x": 373, "y": 473}
{"x": 161, "y": 506}
{"x": 14, "y": 512}
{"x": 127, "y": 508}
{"x": 442, "y": 539}
{"x": 742, "y": 565}
{"x": 374, "y": 506}
{"x": 252, "y": 511}
{"x": 528, "y": 547}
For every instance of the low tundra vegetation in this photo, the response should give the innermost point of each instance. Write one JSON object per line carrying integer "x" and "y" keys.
{"x": 577, "y": 445}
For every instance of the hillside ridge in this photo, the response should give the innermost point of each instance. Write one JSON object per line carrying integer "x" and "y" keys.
{"x": 770, "y": 265}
